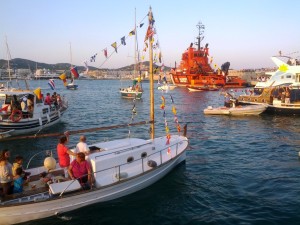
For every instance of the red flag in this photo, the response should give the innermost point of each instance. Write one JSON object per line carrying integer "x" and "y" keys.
{"x": 4, "y": 108}
{"x": 75, "y": 72}
{"x": 105, "y": 52}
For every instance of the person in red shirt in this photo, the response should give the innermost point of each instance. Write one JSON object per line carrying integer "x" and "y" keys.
{"x": 81, "y": 169}
{"x": 47, "y": 100}
{"x": 63, "y": 153}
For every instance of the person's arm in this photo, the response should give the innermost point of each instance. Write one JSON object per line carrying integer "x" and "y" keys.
{"x": 71, "y": 153}
{"x": 71, "y": 172}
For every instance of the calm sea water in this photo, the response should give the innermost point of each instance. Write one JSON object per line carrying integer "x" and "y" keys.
{"x": 239, "y": 170}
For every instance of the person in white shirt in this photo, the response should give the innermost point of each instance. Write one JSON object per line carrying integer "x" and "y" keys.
{"x": 82, "y": 146}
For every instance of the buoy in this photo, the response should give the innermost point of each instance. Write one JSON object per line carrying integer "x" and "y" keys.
{"x": 50, "y": 163}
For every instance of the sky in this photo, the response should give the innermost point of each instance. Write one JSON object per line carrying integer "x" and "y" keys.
{"x": 245, "y": 33}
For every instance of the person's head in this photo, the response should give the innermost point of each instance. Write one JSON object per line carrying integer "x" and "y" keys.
{"x": 19, "y": 171}
{"x": 48, "y": 94}
{"x": 82, "y": 138}
{"x": 54, "y": 93}
{"x": 63, "y": 140}
{"x": 80, "y": 157}
{"x": 19, "y": 159}
{"x": 5, "y": 154}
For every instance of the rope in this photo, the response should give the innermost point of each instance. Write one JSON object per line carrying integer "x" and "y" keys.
{"x": 76, "y": 131}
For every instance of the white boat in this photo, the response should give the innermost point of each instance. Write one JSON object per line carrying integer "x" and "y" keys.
{"x": 166, "y": 87}
{"x": 236, "y": 111}
{"x": 15, "y": 122}
{"x": 287, "y": 74}
{"x": 121, "y": 167}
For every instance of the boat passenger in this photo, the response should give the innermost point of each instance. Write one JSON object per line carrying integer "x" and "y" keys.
{"x": 47, "y": 100}
{"x": 24, "y": 107}
{"x": 80, "y": 169}
{"x": 63, "y": 153}
{"x": 54, "y": 99}
{"x": 59, "y": 101}
{"x": 19, "y": 181}
{"x": 30, "y": 105}
{"x": 82, "y": 146}
{"x": 6, "y": 172}
{"x": 18, "y": 164}
{"x": 227, "y": 100}
{"x": 287, "y": 99}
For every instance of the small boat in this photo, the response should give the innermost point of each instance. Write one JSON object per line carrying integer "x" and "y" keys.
{"x": 72, "y": 86}
{"x": 166, "y": 87}
{"x": 236, "y": 111}
{"x": 14, "y": 121}
{"x": 120, "y": 167}
{"x": 131, "y": 93}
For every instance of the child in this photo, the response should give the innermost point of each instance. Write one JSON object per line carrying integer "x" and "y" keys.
{"x": 19, "y": 181}
{"x": 18, "y": 164}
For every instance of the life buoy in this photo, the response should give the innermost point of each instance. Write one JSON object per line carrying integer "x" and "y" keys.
{"x": 16, "y": 115}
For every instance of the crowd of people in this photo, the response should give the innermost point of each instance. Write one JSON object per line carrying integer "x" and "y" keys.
{"x": 13, "y": 177}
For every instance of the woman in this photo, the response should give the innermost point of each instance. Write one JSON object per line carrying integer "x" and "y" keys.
{"x": 81, "y": 169}
{"x": 6, "y": 176}
{"x": 63, "y": 153}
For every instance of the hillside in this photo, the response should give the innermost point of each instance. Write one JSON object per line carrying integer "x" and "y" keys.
{"x": 18, "y": 63}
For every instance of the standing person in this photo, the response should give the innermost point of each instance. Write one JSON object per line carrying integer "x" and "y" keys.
{"x": 47, "y": 100}
{"x": 54, "y": 99}
{"x": 81, "y": 169}
{"x": 287, "y": 99}
{"x": 6, "y": 176}
{"x": 82, "y": 146}
{"x": 24, "y": 107}
{"x": 63, "y": 153}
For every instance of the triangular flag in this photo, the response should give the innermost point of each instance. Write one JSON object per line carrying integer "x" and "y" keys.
{"x": 105, "y": 52}
{"x": 38, "y": 93}
{"x": 51, "y": 84}
{"x": 114, "y": 45}
{"x": 4, "y": 108}
{"x": 132, "y": 33}
{"x": 123, "y": 41}
{"x": 63, "y": 77}
{"x": 74, "y": 72}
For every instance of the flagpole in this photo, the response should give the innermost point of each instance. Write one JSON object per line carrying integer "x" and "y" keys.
{"x": 152, "y": 131}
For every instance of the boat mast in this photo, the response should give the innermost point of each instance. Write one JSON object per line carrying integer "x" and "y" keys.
{"x": 135, "y": 41}
{"x": 152, "y": 131}
{"x": 201, "y": 28}
{"x": 8, "y": 58}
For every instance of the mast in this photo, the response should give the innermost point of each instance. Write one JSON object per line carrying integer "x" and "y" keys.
{"x": 201, "y": 28}
{"x": 150, "y": 18}
{"x": 8, "y": 58}
{"x": 135, "y": 41}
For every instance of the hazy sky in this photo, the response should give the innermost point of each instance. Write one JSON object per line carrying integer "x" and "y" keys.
{"x": 244, "y": 32}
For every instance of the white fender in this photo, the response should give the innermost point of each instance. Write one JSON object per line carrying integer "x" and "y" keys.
{"x": 48, "y": 118}
{"x": 40, "y": 121}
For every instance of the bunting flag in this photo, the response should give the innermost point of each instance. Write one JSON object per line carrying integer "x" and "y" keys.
{"x": 63, "y": 77}
{"x": 175, "y": 115}
{"x": 159, "y": 57}
{"x": 162, "y": 67}
{"x": 114, "y": 45}
{"x": 105, "y": 52}
{"x": 51, "y": 84}
{"x": 141, "y": 25}
{"x": 86, "y": 67}
{"x": 123, "y": 41}
{"x": 38, "y": 93}
{"x": 74, "y": 72}
{"x": 132, "y": 33}
{"x": 211, "y": 60}
{"x": 93, "y": 58}
{"x": 4, "y": 109}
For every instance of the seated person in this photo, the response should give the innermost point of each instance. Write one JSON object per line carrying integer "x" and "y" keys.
{"x": 80, "y": 169}
{"x": 18, "y": 164}
{"x": 19, "y": 181}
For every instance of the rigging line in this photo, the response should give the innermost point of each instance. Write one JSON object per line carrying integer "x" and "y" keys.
{"x": 76, "y": 131}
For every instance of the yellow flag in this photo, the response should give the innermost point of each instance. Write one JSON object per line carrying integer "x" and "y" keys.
{"x": 37, "y": 92}
{"x": 63, "y": 76}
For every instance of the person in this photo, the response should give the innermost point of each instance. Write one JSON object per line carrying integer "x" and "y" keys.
{"x": 63, "y": 153}
{"x": 18, "y": 164}
{"x": 227, "y": 100}
{"x": 6, "y": 173}
{"x": 24, "y": 107}
{"x": 82, "y": 146}
{"x": 54, "y": 99}
{"x": 58, "y": 100}
{"x": 80, "y": 169}
{"x": 47, "y": 99}
{"x": 287, "y": 99}
{"x": 30, "y": 105}
{"x": 19, "y": 181}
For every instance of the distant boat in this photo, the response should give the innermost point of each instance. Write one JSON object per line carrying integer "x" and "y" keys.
{"x": 236, "y": 111}
{"x": 72, "y": 86}
{"x": 74, "y": 74}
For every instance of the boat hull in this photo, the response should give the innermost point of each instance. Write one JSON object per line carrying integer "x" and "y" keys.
{"x": 131, "y": 95}
{"x": 40, "y": 209}
{"x": 236, "y": 111}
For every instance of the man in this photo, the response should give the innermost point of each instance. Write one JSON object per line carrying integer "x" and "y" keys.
{"x": 82, "y": 146}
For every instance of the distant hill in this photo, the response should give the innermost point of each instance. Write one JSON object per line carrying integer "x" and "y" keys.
{"x": 18, "y": 63}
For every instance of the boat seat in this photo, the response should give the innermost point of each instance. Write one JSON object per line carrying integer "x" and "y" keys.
{"x": 66, "y": 186}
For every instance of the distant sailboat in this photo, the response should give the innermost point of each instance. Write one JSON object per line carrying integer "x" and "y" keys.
{"x": 135, "y": 91}
{"x": 74, "y": 74}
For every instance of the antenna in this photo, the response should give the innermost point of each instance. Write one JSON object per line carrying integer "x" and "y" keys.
{"x": 201, "y": 28}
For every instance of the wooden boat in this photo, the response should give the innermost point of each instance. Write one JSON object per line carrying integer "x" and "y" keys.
{"x": 121, "y": 167}
{"x": 166, "y": 87}
{"x": 272, "y": 96}
{"x": 195, "y": 68}
{"x": 236, "y": 111}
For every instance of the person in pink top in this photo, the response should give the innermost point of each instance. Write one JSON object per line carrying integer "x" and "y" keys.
{"x": 63, "y": 153}
{"x": 81, "y": 169}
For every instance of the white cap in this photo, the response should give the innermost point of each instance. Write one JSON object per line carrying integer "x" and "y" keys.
{"x": 24, "y": 99}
